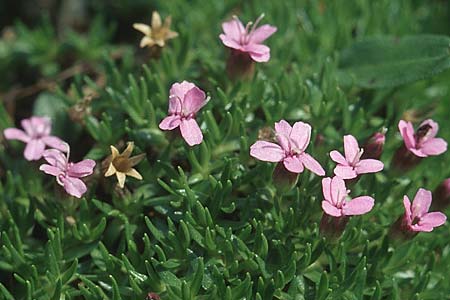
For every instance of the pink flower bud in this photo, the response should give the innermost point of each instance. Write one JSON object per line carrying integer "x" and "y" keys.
{"x": 373, "y": 148}
{"x": 152, "y": 296}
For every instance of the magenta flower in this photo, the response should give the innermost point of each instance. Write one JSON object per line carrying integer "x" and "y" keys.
{"x": 292, "y": 142}
{"x": 422, "y": 143}
{"x": 352, "y": 165}
{"x": 417, "y": 218}
{"x": 67, "y": 174}
{"x": 337, "y": 203}
{"x": 249, "y": 39}
{"x": 36, "y": 136}
{"x": 185, "y": 101}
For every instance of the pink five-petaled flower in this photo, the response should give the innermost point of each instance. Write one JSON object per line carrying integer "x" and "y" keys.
{"x": 417, "y": 218}
{"x": 292, "y": 142}
{"x": 67, "y": 174}
{"x": 337, "y": 203}
{"x": 422, "y": 143}
{"x": 36, "y": 135}
{"x": 352, "y": 165}
{"x": 185, "y": 101}
{"x": 248, "y": 39}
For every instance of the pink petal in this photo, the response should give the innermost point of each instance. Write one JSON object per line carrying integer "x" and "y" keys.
{"x": 358, "y": 206}
{"x": 262, "y": 33}
{"x": 407, "y": 132}
{"x": 293, "y": 164}
{"x": 417, "y": 152}
{"x": 336, "y": 156}
{"x": 82, "y": 168}
{"x": 338, "y": 189}
{"x": 170, "y": 122}
{"x": 233, "y": 29}
{"x": 51, "y": 170}
{"x": 174, "y": 105}
{"x": 34, "y": 149}
{"x": 180, "y": 89}
{"x": 421, "y": 203}
{"x": 263, "y": 57}
{"x": 194, "y": 99}
{"x": 326, "y": 189}
{"x": 41, "y": 125}
{"x": 345, "y": 172}
{"x": 433, "y": 219}
{"x": 407, "y": 205}
{"x": 434, "y": 146}
{"x": 311, "y": 164}
{"x": 229, "y": 42}
{"x": 16, "y": 134}
{"x": 282, "y": 131}
{"x": 55, "y": 158}
{"x": 331, "y": 210}
{"x": 351, "y": 147}
{"x": 74, "y": 186}
{"x": 55, "y": 142}
{"x": 369, "y": 166}
{"x": 191, "y": 132}
{"x": 26, "y": 125}
{"x": 267, "y": 151}
{"x": 259, "y": 53}
{"x": 301, "y": 135}
{"x": 434, "y": 127}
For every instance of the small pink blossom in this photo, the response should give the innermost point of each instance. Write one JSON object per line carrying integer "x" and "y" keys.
{"x": 36, "y": 136}
{"x": 67, "y": 174}
{"x": 337, "y": 203}
{"x": 423, "y": 142}
{"x": 185, "y": 101}
{"x": 249, "y": 39}
{"x": 352, "y": 165}
{"x": 292, "y": 143}
{"x": 416, "y": 217}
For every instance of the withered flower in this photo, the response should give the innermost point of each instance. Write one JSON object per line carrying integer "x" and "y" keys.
{"x": 122, "y": 164}
{"x": 156, "y": 34}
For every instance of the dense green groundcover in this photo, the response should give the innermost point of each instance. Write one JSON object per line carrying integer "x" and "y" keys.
{"x": 207, "y": 222}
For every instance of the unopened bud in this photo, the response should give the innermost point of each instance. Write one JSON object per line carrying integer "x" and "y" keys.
{"x": 373, "y": 148}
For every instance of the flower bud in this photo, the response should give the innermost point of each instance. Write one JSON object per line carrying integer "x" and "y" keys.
{"x": 373, "y": 148}
{"x": 152, "y": 296}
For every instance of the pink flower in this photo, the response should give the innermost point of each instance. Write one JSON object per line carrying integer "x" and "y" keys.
{"x": 417, "y": 217}
{"x": 67, "y": 174}
{"x": 422, "y": 143}
{"x": 337, "y": 203}
{"x": 352, "y": 165}
{"x": 36, "y": 136}
{"x": 185, "y": 101}
{"x": 292, "y": 142}
{"x": 248, "y": 39}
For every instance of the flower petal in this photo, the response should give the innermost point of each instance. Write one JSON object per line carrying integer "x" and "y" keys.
{"x": 369, "y": 166}
{"x": 433, "y": 219}
{"x": 34, "y": 150}
{"x": 336, "y": 156}
{"x": 55, "y": 143}
{"x": 338, "y": 190}
{"x": 311, "y": 164}
{"x": 55, "y": 158}
{"x": 293, "y": 164}
{"x": 259, "y": 53}
{"x": 16, "y": 134}
{"x": 156, "y": 20}
{"x": 283, "y": 127}
{"x": 434, "y": 146}
{"x": 407, "y": 205}
{"x": 146, "y": 42}
{"x": 351, "y": 147}
{"x": 191, "y": 132}
{"x": 133, "y": 173}
{"x": 41, "y": 126}
{"x": 144, "y": 28}
{"x": 180, "y": 89}
{"x": 194, "y": 99}
{"x": 233, "y": 29}
{"x": 170, "y": 122}
{"x": 345, "y": 172}
{"x": 230, "y": 42}
{"x": 421, "y": 203}
{"x": 74, "y": 186}
{"x": 326, "y": 189}
{"x": 358, "y": 206}
{"x": 407, "y": 132}
{"x": 331, "y": 210}
{"x": 175, "y": 104}
{"x": 260, "y": 57}
{"x": 111, "y": 170}
{"x": 301, "y": 135}
{"x": 82, "y": 168}
{"x": 262, "y": 33}
{"x": 51, "y": 170}
{"x": 267, "y": 151}
{"x": 434, "y": 127}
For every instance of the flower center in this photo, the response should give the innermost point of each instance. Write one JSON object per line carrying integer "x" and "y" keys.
{"x": 357, "y": 157}
{"x": 422, "y": 134}
{"x": 122, "y": 164}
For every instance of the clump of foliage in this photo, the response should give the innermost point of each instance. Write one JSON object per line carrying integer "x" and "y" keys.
{"x": 207, "y": 222}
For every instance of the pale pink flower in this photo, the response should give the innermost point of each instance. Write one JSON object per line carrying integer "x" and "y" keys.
{"x": 248, "y": 39}
{"x": 417, "y": 218}
{"x": 352, "y": 165}
{"x": 67, "y": 174}
{"x": 337, "y": 203}
{"x": 185, "y": 101}
{"x": 423, "y": 142}
{"x": 36, "y": 136}
{"x": 292, "y": 143}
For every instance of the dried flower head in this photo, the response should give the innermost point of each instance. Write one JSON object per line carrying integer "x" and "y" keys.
{"x": 122, "y": 164}
{"x": 156, "y": 34}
